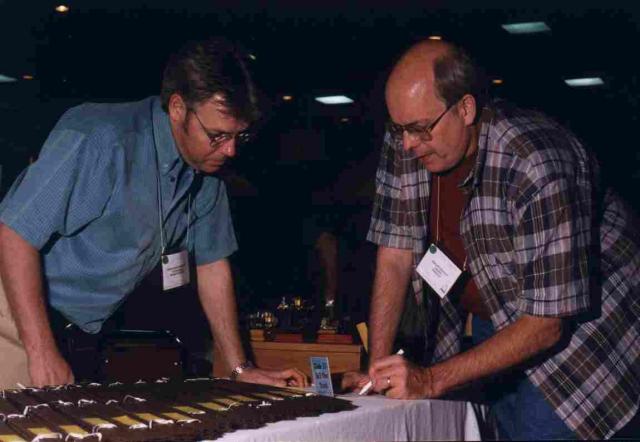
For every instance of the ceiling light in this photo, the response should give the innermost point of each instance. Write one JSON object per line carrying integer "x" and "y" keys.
{"x": 532, "y": 27}
{"x": 287, "y": 97}
{"x": 5, "y": 79}
{"x": 583, "y": 82}
{"x": 253, "y": 57}
{"x": 334, "y": 99}
{"x": 497, "y": 81}
{"x": 435, "y": 37}
{"x": 27, "y": 77}
{"x": 344, "y": 120}
{"x": 62, "y": 9}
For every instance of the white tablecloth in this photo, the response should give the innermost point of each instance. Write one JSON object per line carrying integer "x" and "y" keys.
{"x": 376, "y": 418}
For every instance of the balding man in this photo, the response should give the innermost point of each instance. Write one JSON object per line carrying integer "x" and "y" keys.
{"x": 499, "y": 212}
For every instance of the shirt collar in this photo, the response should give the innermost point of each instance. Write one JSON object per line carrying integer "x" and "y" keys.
{"x": 486, "y": 119}
{"x": 168, "y": 156}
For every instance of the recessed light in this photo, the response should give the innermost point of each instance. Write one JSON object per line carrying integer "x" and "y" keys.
{"x": 334, "y": 99}
{"x": 584, "y": 82}
{"x": 27, "y": 77}
{"x": 253, "y": 57}
{"x": 532, "y": 27}
{"x": 344, "y": 120}
{"x": 287, "y": 97}
{"x": 62, "y": 9}
{"x": 6, "y": 79}
{"x": 497, "y": 81}
{"x": 435, "y": 37}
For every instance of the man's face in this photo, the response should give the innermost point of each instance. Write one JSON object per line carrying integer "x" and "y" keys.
{"x": 194, "y": 128}
{"x": 448, "y": 142}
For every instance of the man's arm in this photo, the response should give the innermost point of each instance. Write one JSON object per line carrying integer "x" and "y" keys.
{"x": 511, "y": 346}
{"x": 326, "y": 247}
{"x": 215, "y": 288}
{"x": 393, "y": 270}
{"x": 21, "y": 274}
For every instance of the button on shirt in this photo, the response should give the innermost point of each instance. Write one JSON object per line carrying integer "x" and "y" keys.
{"x": 90, "y": 205}
{"x": 543, "y": 239}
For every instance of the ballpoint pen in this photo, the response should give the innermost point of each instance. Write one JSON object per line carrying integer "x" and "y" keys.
{"x": 369, "y": 384}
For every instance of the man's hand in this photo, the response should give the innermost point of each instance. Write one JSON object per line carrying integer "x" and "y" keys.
{"x": 21, "y": 275}
{"x": 398, "y": 378}
{"x": 49, "y": 368}
{"x": 291, "y": 377}
{"x": 354, "y": 381}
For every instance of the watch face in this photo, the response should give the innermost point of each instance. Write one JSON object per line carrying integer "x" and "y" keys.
{"x": 240, "y": 369}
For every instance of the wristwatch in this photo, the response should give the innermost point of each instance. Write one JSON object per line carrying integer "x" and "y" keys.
{"x": 240, "y": 369}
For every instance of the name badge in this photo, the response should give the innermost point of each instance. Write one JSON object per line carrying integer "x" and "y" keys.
{"x": 175, "y": 270}
{"x": 438, "y": 270}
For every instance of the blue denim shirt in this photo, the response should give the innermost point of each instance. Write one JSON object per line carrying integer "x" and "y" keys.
{"x": 90, "y": 205}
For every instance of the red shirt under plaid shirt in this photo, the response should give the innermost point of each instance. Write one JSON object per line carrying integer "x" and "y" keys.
{"x": 543, "y": 239}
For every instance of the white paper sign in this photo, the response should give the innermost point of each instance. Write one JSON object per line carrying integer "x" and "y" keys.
{"x": 321, "y": 375}
{"x": 438, "y": 270}
{"x": 175, "y": 270}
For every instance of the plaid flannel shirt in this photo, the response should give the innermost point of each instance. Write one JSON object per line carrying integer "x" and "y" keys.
{"x": 542, "y": 239}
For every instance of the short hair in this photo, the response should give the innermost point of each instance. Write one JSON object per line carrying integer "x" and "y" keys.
{"x": 202, "y": 69}
{"x": 455, "y": 75}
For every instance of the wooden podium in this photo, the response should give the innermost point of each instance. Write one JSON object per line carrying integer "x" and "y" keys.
{"x": 279, "y": 355}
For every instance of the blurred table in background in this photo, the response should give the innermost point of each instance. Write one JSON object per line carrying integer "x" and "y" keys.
{"x": 278, "y": 355}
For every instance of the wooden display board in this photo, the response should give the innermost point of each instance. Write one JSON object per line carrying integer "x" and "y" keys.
{"x": 279, "y": 355}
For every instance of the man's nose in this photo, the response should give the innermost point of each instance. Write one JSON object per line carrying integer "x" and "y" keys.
{"x": 409, "y": 142}
{"x": 229, "y": 148}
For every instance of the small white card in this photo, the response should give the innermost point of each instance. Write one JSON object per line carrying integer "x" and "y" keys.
{"x": 175, "y": 270}
{"x": 321, "y": 375}
{"x": 438, "y": 270}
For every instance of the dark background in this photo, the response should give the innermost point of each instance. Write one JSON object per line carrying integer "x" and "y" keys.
{"x": 312, "y": 165}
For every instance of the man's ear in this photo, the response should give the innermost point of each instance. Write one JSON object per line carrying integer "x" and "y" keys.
{"x": 468, "y": 106}
{"x": 177, "y": 109}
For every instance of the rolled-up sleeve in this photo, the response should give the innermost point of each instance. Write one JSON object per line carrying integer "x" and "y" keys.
{"x": 390, "y": 221}
{"x": 214, "y": 236}
{"x": 67, "y": 187}
{"x": 551, "y": 246}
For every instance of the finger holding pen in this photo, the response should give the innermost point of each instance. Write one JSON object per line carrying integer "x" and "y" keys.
{"x": 369, "y": 385}
{"x": 398, "y": 378}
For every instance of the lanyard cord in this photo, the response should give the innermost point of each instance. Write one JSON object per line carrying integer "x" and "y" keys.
{"x": 188, "y": 217}
{"x": 466, "y": 257}
{"x": 159, "y": 196}
{"x": 163, "y": 245}
{"x": 438, "y": 211}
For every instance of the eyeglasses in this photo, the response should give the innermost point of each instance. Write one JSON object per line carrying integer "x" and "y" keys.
{"x": 415, "y": 130}
{"x": 216, "y": 139}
